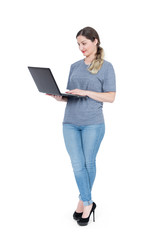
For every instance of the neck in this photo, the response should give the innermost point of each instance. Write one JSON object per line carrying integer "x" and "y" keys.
{"x": 90, "y": 58}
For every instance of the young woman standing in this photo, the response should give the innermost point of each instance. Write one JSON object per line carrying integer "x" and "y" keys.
{"x": 83, "y": 124}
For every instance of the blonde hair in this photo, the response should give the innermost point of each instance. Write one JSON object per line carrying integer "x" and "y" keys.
{"x": 91, "y": 34}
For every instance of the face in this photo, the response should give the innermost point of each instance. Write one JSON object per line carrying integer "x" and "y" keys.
{"x": 86, "y": 46}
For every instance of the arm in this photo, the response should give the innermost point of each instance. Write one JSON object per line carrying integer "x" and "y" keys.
{"x": 58, "y": 98}
{"x": 98, "y": 96}
{"x": 102, "y": 97}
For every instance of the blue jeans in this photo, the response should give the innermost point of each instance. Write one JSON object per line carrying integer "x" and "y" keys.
{"x": 82, "y": 144}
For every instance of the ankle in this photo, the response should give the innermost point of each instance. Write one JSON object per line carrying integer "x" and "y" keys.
{"x": 87, "y": 210}
{"x": 80, "y": 207}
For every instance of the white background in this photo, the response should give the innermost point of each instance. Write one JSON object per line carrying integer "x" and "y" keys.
{"x": 38, "y": 193}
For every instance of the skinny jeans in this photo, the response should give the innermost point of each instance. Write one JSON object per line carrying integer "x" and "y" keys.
{"x": 82, "y": 144}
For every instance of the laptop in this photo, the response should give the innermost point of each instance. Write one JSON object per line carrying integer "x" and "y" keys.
{"x": 46, "y": 83}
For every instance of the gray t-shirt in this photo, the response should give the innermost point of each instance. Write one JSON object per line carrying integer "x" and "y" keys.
{"x": 86, "y": 111}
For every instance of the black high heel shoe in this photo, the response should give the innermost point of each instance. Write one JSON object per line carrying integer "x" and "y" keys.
{"x": 84, "y": 221}
{"x": 77, "y": 216}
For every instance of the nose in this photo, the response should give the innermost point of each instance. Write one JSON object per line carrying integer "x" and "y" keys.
{"x": 81, "y": 47}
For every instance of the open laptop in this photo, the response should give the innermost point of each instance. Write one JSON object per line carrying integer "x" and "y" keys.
{"x": 46, "y": 83}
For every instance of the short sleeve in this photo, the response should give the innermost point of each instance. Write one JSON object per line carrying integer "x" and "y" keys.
{"x": 109, "y": 82}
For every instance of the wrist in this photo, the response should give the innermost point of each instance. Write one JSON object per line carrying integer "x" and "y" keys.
{"x": 64, "y": 99}
{"x": 87, "y": 93}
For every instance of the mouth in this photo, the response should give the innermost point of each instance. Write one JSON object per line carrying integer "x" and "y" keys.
{"x": 83, "y": 52}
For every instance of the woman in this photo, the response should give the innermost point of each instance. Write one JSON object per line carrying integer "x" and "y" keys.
{"x": 83, "y": 125}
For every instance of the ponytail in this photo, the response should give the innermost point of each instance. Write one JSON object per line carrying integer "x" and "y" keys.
{"x": 98, "y": 61}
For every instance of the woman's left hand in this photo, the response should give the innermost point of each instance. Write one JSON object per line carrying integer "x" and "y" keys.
{"x": 78, "y": 92}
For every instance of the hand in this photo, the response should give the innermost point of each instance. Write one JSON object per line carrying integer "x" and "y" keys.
{"x": 78, "y": 92}
{"x": 58, "y": 98}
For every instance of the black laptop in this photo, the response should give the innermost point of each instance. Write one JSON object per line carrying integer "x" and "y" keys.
{"x": 46, "y": 83}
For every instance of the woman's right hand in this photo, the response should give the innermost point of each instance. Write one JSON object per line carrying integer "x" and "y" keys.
{"x": 58, "y": 98}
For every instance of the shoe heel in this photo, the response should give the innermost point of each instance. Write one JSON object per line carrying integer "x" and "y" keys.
{"x": 93, "y": 216}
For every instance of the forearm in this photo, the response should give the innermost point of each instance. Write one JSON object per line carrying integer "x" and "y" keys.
{"x": 101, "y": 96}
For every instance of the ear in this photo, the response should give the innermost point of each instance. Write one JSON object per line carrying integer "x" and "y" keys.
{"x": 95, "y": 41}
